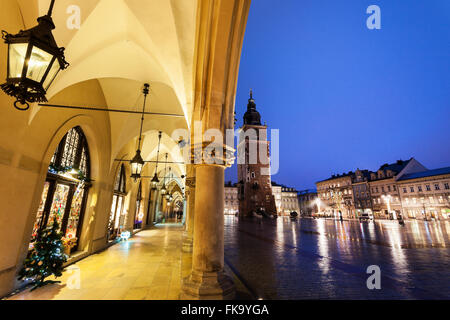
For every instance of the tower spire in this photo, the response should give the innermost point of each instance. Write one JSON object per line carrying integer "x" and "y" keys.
{"x": 252, "y": 116}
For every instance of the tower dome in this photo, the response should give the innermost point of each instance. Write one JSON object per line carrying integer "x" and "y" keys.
{"x": 252, "y": 116}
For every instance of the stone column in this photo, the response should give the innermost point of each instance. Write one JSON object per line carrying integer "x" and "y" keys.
{"x": 189, "y": 233}
{"x": 208, "y": 279}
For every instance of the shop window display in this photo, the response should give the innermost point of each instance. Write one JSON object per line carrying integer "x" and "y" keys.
{"x": 65, "y": 190}
{"x": 138, "y": 214}
{"x": 116, "y": 220}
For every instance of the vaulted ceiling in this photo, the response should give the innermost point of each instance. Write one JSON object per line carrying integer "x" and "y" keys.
{"x": 122, "y": 44}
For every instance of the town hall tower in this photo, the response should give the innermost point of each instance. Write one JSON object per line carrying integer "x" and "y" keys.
{"x": 254, "y": 182}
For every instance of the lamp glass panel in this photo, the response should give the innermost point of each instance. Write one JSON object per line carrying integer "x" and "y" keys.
{"x": 17, "y": 53}
{"x": 51, "y": 74}
{"x": 136, "y": 168}
{"x": 37, "y": 65}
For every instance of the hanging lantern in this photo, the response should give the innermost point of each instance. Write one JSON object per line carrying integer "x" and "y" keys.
{"x": 155, "y": 181}
{"x": 163, "y": 189}
{"x": 170, "y": 198}
{"x": 137, "y": 163}
{"x": 167, "y": 196}
{"x": 34, "y": 60}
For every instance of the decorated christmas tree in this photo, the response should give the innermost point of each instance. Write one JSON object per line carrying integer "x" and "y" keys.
{"x": 46, "y": 258}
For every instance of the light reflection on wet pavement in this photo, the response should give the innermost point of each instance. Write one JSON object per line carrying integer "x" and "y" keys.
{"x": 328, "y": 259}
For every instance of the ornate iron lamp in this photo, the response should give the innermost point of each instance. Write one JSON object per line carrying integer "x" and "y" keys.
{"x": 155, "y": 179}
{"x": 163, "y": 189}
{"x": 168, "y": 193}
{"x": 34, "y": 60}
{"x": 137, "y": 163}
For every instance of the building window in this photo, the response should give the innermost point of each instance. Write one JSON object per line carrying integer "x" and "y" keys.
{"x": 428, "y": 187}
{"x": 389, "y": 188}
{"x": 411, "y": 188}
{"x": 116, "y": 218}
{"x": 64, "y": 197}
{"x": 419, "y": 188}
{"x": 382, "y": 189}
{"x": 138, "y": 214}
{"x": 394, "y": 187}
{"x": 404, "y": 190}
{"x": 446, "y": 186}
{"x": 436, "y": 186}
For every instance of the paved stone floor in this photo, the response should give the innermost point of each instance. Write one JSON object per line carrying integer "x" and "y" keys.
{"x": 148, "y": 266}
{"x": 275, "y": 259}
{"x": 327, "y": 259}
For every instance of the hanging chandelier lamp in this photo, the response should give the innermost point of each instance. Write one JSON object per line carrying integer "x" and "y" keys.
{"x": 34, "y": 60}
{"x": 155, "y": 179}
{"x": 163, "y": 189}
{"x": 137, "y": 163}
{"x": 170, "y": 175}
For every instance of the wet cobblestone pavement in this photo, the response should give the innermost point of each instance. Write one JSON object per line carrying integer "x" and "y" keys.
{"x": 328, "y": 259}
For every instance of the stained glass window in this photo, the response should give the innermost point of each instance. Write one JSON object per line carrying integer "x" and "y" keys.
{"x": 72, "y": 152}
{"x": 83, "y": 162}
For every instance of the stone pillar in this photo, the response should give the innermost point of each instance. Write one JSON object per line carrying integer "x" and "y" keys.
{"x": 189, "y": 234}
{"x": 208, "y": 280}
{"x": 219, "y": 38}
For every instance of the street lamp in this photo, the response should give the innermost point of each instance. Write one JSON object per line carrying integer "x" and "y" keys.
{"x": 318, "y": 205}
{"x": 34, "y": 60}
{"x": 137, "y": 163}
{"x": 424, "y": 213}
{"x": 387, "y": 200}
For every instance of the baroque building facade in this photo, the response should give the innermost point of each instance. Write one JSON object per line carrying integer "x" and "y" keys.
{"x": 426, "y": 194}
{"x": 308, "y": 202}
{"x": 286, "y": 199}
{"x": 404, "y": 189}
{"x": 231, "y": 199}
{"x": 336, "y": 196}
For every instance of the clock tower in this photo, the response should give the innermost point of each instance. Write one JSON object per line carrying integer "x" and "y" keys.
{"x": 254, "y": 182}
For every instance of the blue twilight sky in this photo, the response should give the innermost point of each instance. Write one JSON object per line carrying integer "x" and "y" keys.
{"x": 344, "y": 96}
